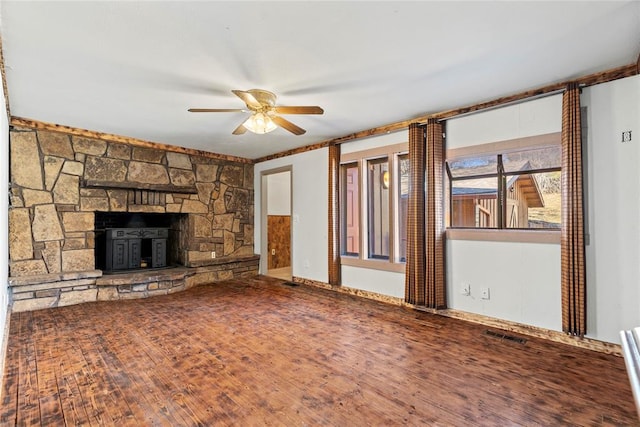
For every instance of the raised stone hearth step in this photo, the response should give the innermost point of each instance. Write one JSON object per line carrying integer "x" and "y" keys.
{"x": 56, "y": 290}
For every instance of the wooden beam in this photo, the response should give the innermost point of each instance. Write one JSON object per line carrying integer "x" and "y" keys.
{"x": 293, "y": 151}
{"x": 36, "y": 124}
{"x": 588, "y": 80}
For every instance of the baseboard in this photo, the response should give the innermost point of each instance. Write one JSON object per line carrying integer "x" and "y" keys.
{"x": 506, "y": 325}
{"x": 533, "y": 331}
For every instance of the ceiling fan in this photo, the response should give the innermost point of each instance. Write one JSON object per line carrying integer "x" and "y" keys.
{"x": 265, "y": 115}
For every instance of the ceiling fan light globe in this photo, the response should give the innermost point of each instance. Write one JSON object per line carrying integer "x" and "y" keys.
{"x": 260, "y": 123}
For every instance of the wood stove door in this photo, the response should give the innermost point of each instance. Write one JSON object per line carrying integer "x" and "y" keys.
{"x": 135, "y": 253}
{"x": 119, "y": 255}
{"x": 158, "y": 253}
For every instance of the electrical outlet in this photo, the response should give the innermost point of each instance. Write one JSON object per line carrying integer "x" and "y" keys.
{"x": 273, "y": 251}
{"x": 213, "y": 254}
{"x": 466, "y": 289}
{"x": 484, "y": 293}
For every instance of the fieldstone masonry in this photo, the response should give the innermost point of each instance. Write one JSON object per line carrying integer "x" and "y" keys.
{"x": 58, "y": 181}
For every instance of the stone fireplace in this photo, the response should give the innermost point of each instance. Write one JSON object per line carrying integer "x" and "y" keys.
{"x": 63, "y": 203}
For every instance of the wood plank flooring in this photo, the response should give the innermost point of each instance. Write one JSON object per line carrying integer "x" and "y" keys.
{"x": 258, "y": 352}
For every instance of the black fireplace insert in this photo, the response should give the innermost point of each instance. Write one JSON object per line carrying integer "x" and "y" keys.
{"x": 129, "y": 242}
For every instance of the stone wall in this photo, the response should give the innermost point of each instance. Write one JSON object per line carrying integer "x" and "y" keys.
{"x": 58, "y": 181}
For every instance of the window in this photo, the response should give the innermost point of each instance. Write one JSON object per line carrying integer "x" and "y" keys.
{"x": 402, "y": 201}
{"x": 517, "y": 189}
{"x": 378, "y": 208}
{"x": 350, "y": 229}
{"x": 374, "y": 196}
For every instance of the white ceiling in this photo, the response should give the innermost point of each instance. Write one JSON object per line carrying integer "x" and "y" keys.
{"x": 133, "y": 68}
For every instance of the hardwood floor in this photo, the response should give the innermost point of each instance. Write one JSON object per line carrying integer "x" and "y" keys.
{"x": 258, "y": 352}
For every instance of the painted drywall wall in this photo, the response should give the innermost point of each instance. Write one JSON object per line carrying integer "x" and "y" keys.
{"x": 523, "y": 281}
{"x": 378, "y": 281}
{"x": 523, "y": 278}
{"x": 309, "y": 211}
{"x": 613, "y": 211}
{"x": 530, "y": 118}
{"x": 4, "y": 229}
{"x": 374, "y": 142}
{"x": 279, "y": 193}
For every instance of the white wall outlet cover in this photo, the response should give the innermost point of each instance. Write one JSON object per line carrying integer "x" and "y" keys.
{"x": 484, "y": 293}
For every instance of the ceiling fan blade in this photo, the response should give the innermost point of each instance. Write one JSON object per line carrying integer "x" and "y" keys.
{"x": 299, "y": 110}
{"x": 216, "y": 110}
{"x": 248, "y": 99}
{"x": 239, "y": 130}
{"x": 286, "y": 124}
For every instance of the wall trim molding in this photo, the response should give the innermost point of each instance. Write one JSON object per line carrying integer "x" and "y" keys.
{"x": 291, "y": 152}
{"x": 506, "y": 325}
{"x": 21, "y": 122}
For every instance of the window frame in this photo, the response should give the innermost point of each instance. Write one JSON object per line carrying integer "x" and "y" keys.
{"x": 363, "y": 260}
{"x": 503, "y": 233}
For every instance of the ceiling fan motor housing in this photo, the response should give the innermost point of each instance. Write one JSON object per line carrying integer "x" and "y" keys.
{"x": 266, "y": 99}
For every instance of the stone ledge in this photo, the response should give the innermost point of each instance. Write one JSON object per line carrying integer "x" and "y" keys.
{"x": 141, "y": 277}
{"x": 57, "y": 290}
{"x": 224, "y": 260}
{"x": 51, "y": 278}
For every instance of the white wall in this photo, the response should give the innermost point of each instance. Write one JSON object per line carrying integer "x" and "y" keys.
{"x": 375, "y": 142}
{"x": 378, "y": 281}
{"x": 279, "y": 193}
{"x": 4, "y": 226}
{"x": 523, "y": 278}
{"x": 530, "y": 118}
{"x": 523, "y": 281}
{"x": 613, "y": 255}
{"x": 309, "y": 211}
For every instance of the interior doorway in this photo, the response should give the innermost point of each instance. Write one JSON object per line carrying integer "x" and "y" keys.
{"x": 276, "y": 222}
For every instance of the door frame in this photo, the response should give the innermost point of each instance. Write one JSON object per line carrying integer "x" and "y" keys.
{"x": 264, "y": 191}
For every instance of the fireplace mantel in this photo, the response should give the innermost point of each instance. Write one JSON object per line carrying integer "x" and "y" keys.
{"x": 165, "y": 188}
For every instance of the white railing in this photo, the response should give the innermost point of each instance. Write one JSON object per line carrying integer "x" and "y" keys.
{"x": 631, "y": 350}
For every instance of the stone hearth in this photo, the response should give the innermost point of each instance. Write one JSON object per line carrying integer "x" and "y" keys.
{"x": 54, "y": 201}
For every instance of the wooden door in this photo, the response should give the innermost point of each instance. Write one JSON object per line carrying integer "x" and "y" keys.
{"x": 279, "y": 238}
